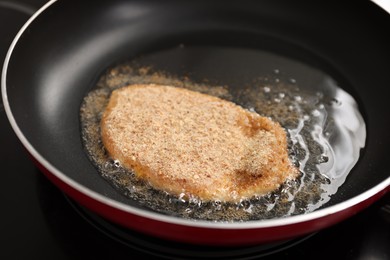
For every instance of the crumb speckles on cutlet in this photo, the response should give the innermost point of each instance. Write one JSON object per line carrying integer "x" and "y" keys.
{"x": 179, "y": 140}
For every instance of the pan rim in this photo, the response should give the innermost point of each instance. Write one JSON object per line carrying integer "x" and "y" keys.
{"x": 268, "y": 223}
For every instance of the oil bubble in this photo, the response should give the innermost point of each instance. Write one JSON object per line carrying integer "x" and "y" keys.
{"x": 316, "y": 113}
{"x": 117, "y": 163}
{"x": 292, "y": 81}
{"x": 298, "y": 98}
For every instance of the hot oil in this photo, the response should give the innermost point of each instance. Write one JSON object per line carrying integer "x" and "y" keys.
{"x": 324, "y": 127}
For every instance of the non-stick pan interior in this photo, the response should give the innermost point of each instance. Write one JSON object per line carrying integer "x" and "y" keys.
{"x": 61, "y": 54}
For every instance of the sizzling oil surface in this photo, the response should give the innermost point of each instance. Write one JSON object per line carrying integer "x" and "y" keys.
{"x": 325, "y": 130}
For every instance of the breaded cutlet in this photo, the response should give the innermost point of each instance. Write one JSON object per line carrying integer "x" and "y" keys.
{"x": 186, "y": 142}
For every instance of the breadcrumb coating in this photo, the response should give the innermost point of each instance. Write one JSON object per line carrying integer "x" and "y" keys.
{"x": 186, "y": 142}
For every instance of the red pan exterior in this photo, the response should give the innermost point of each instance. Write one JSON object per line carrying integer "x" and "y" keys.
{"x": 208, "y": 236}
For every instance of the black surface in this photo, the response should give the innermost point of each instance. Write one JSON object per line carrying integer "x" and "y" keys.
{"x": 37, "y": 222}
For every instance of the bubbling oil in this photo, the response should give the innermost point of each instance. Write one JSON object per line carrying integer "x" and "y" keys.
{"x": 325, "y": 135}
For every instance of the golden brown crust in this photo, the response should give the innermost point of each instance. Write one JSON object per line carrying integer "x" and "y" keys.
{"x": 183, "y": 141}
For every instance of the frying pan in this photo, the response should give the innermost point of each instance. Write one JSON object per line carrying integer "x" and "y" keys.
{"x": 59, "y": 54}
